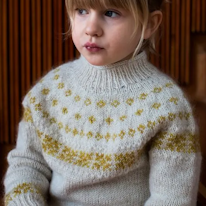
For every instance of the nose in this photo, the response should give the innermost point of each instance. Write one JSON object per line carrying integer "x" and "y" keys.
{"x": 93, "y": 26}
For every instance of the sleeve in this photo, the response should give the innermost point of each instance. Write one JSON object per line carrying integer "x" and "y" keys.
{"x": 175, "y": 161}
{"x": 27, "y": 178}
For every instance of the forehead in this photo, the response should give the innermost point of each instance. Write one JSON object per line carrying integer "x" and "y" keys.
{"x": 97, "y": 4}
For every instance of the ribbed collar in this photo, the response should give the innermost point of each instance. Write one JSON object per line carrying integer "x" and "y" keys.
{"x": 112, "y": 77}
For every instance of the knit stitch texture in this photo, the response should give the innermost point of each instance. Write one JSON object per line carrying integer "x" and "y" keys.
{"x": 117, "y": 135}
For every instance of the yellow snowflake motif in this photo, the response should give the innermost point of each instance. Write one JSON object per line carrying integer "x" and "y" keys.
{"x": 45, "y": 114}
{"x": 60, "y": 85}
{"x": 171, "y": 116}
{"x": 109, "y": 120}
{"x": 67, "y": 129}
{"x": 157, "y": 142}
{"x": 187, "y": 115}
{"x": 68, "y": 93}
{"x": 156, "y": 105}
{"x": 115, "y": 103}
{"x": 108, "y": 136}
{"x": 122, "y": 118}
{"x": 45, "y": 91}
{"x": 101, "y": 104}
{"x": 174, "y": 100}
{"x": 56, "y": 77}
{"x": 92, "y": 119}
{"x": 169, "y": 85}
{"x": 143, "y": 96}
{"x": 161, "y": 119}
{"x": 64, "y": 110}
{"x": 98, "y": 136}
{"x": 60, "y": 125}
{"x": 130, "y": 101}
{"x": 122, "y": 134}
{"x": 83, "y": 159}
{"x": 21, "y": 189}
{"x": 75, "y": 132}
{"x": 151, "y": 124}
{"x": 32, "y": 100}
{"x": 124, "y": 160}
{"x": 51, "y": 146}
{"x": 54, "y": 102}
{"x": 139, "y": 112}
{"x": 157, "y": 90}
{"x": 102, "y": 161}
{"x": 77, "y": 98}
{"x": 87, "y": 102}
{"x": 27, "y": 116}
{"x": 38, "y": 107}
{"x": 53, "y": 121}
{"x": 78, "y": 116}
{"x": 131, "y": 132}
{"x": 184, "y": 142}
{"x": 141, "y": 128}
{"x": 89, "y": 134}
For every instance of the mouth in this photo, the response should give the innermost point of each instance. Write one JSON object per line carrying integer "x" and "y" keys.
{"x": 92, "y": 47}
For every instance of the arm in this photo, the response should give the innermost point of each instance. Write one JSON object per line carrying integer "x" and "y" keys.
{"x": 27, "y": 178}
{"x": 175, "y": 164}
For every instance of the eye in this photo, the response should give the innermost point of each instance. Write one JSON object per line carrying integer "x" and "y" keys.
{"x": 112, "y": 14}
{"x": 81, "y": 11}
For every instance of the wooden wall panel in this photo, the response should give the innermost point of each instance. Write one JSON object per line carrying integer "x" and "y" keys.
{"x": 33, "y": 40}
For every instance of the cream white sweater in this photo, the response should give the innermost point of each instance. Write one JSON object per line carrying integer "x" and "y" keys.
{"x": 117, "y": 135}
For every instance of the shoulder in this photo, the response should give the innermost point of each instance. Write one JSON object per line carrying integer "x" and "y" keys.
{"x": 53, "y": 81}
{"x": 163, "y": 90}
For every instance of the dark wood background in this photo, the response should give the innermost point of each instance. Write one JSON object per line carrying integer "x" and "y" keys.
{"x": 33, "y": 40}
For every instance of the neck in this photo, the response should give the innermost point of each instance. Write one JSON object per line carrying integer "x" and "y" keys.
{"x": 114, "y": 77}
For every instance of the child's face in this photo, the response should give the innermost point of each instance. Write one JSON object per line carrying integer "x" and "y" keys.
{"x": 104, "y": 36}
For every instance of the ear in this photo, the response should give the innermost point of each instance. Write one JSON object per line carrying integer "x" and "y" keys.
{"x": 154, "y": 22}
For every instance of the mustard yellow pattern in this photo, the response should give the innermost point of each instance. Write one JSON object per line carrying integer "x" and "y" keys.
{"x": 130, "y": 101}
{"x": 56, "y": 77}
{"x": 139, "y": 112}
{"x": 60, "y": 85}
{"x": 68, "y": 93}
{"x": 115, "y": 103}
{"x": 185, "y": 142}
{"x": 27, "y": 115}
{"x": 54, "y": 102}
{"x": 96, "y": 161}
{"x": 21, "y": 189}
{"x": 45, "y": 91}
{"x": 32, "y": 100}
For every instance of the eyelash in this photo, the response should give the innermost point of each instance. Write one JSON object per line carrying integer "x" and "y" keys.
{"x": 80, "y": 12}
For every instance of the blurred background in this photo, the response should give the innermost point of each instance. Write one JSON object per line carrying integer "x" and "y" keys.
{"x": 33, "y": 41}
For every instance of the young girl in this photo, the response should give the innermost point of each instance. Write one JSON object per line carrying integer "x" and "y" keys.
{"x": 108, "y": 129}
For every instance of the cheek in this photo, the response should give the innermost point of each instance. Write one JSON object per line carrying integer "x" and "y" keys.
{"x": 75, "y": 37}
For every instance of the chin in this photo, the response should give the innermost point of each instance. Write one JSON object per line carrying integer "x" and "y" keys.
{"x": 96, "y": 62}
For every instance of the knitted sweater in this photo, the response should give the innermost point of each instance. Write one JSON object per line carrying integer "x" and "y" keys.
{"x": 117, "y": 135}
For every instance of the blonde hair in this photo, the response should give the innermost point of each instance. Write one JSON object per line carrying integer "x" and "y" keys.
{"x": 140, "y": 10}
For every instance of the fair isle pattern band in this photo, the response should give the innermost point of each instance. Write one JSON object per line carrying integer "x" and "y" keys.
{"x": 21, "y": 189}
{"x": 95, "y": 161}
{"x": 185, "y": 143}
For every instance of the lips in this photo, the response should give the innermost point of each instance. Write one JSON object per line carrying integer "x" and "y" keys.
{"x": 92, "y": 47}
